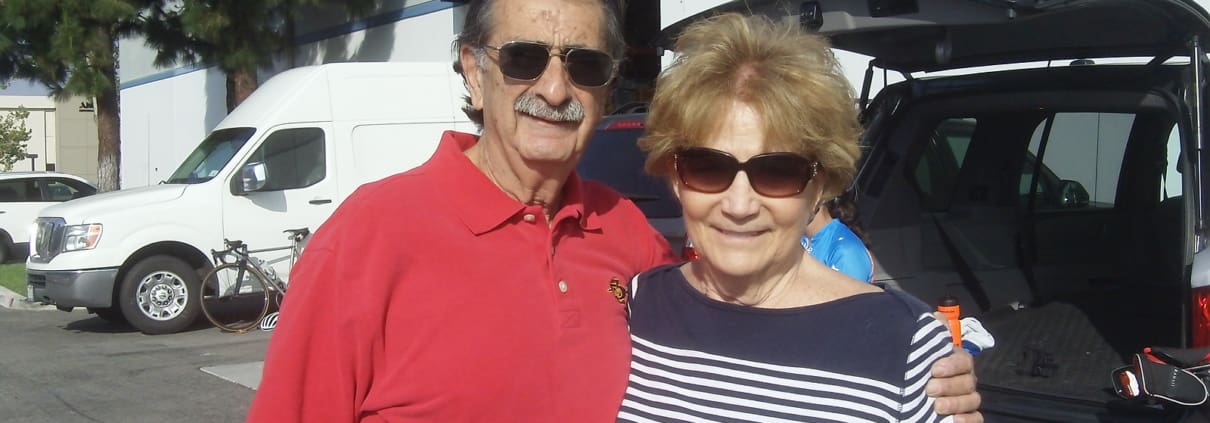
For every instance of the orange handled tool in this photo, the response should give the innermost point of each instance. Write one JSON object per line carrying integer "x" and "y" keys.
{"x": 949, "y": 307}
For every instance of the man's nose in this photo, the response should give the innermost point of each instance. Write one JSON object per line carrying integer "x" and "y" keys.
{"x": 553, "y": 85}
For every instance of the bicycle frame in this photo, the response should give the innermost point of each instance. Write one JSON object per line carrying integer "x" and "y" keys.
{"x": 245, "y": 258}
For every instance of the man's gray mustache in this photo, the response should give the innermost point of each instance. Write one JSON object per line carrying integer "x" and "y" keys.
{"x": 530, "y": 104}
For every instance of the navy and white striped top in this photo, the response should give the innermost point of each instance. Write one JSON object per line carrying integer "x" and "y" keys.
{"x": 861, "y": 358}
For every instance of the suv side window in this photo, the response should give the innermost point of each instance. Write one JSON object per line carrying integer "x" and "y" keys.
{"x": 1172, "y": 185}
{"x": 936, "y": 173}
{"x": 18, "y": 191}
{"x": 294, "y": 158}
{"x": 1081, "y": 156}
{"x": 59, "y": 189}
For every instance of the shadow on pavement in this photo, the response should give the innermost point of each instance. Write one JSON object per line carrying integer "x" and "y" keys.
{"x": 95, "y": 324}
{"x": 98, "y": 325}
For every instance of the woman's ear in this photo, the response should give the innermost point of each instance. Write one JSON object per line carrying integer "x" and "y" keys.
{"x": 815, "y": 189}
{"x": 676, "y": 186}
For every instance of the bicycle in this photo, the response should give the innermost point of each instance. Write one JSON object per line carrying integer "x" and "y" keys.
{"x": 237, "y": 294}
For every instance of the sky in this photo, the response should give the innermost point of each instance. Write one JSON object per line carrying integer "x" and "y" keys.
{"x": 24, "y": 87}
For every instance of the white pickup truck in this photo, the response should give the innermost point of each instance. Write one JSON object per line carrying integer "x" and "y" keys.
{"x": 314, "y": 133}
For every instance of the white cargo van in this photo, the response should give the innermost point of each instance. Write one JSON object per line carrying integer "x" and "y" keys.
{"x": 316, "y": 133}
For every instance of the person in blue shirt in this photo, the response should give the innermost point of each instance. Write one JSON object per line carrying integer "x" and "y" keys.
{"x": 835, "y": 244}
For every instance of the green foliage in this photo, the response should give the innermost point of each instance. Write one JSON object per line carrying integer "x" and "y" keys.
{"x": 68, "y": 45}
{"x": 13, "y": 136}
{"x": 235, "y": 35}
{"x": 71, "y": 47}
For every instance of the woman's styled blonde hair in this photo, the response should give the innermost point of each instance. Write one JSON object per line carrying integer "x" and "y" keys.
{"x": 788, "y": 76}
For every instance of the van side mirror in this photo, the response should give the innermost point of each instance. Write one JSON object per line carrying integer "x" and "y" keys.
{"x": 1072, "y": 194}
{"x": 252, "y": 177}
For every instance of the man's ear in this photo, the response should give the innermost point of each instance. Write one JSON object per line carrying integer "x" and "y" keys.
{"x": 473, "y": 75}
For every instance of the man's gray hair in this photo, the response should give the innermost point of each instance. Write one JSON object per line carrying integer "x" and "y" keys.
{"x": 480, "y": 15}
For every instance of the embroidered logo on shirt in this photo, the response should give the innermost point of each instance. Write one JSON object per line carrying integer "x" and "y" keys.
{"x": 618, "y": 290}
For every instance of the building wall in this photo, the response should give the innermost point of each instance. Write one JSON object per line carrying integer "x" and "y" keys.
{"x": 76, "y": 138}
{"x": 63, "y": 136}
{"x": 167, "y": 112}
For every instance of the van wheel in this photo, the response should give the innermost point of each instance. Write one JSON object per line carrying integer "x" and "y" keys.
{"x": 158, "y": 295}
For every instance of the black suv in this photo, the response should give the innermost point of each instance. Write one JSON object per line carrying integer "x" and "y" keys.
{"x": 1061, "y": 199}
{"x": 613, "y": 157}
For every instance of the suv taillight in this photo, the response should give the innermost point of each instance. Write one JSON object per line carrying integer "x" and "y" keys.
{"x": 1201, "y": 317}
{"x": 624, "y": 124}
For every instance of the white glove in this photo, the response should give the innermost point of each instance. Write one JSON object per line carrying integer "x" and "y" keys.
{"x": 974, "y": 332}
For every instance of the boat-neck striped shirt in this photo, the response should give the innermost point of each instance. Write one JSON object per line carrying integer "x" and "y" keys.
{"x": 857, "y": 359}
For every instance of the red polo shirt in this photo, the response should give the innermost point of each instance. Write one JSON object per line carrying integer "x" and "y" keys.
{"x": 433, "y": 296}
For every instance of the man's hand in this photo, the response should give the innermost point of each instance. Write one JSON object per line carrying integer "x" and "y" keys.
{"x": 953, "y": 387}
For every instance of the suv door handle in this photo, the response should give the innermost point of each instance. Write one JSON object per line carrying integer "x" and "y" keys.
{"x": 320, "y": 201}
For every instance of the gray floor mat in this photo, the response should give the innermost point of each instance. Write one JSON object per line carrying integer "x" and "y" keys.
{"x": 1052, "y": 350}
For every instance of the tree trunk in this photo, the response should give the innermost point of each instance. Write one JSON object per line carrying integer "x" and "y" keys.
{"x": 109, "y": 148}
{"x": 240, "y": 85}
{"x": 109, "y": 130}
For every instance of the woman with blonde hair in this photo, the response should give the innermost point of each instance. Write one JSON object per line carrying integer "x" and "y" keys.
{"x": 753, "y": 124}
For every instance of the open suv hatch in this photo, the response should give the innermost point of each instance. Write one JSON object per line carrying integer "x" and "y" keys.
{"x": 1062, "y": 200}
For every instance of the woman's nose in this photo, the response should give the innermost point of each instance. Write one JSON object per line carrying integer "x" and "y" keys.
{"x": 740, "y": 200}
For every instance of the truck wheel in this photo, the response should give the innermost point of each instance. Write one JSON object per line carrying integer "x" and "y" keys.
{"x": 158, "y": 295}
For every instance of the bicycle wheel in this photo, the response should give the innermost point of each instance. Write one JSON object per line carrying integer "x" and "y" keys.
{"x": 234, "y": 297}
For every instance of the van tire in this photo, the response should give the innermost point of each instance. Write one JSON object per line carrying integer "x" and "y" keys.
{"x": 159, "y": 295}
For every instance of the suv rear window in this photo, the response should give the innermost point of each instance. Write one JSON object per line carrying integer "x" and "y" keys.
{"x": 613, "y": 158}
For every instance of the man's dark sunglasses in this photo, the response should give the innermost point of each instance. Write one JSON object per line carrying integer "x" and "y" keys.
{"x": 771, "y": 174}
{"x": 525, "y": 61}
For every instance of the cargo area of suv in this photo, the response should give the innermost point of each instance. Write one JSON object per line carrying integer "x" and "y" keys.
{"x": 1062, "y": 202}
{"x": 1073, "y": 261}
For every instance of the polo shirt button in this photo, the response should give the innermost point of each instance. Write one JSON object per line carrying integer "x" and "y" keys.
{"x": 529, "y": 218}
{"x": 562, "y": 286}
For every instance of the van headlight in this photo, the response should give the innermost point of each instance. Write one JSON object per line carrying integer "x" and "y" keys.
{"x": 81, "y": 237}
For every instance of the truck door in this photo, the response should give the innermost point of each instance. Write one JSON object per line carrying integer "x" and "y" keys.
{"x": 299, "y": 191}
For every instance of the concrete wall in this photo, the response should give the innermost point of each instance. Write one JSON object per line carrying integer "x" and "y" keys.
{"x": 76, "y": 137}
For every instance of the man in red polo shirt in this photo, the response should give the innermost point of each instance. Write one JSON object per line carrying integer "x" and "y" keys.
{"x": 477, "y": 287}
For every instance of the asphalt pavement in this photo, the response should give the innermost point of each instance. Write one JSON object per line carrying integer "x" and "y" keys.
{"x": 75, "y": 367}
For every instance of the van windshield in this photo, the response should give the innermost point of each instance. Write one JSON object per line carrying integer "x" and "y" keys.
{"x": 205, "y": 162}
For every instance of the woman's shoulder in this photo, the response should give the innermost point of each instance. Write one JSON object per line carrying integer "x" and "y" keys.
{"x": 661, "y": 273}
{"x": 891, "y": 302}
{"x": 898, "y": 305}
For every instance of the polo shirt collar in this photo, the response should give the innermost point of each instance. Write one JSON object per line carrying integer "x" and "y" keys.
{"x": 482, "y": 205}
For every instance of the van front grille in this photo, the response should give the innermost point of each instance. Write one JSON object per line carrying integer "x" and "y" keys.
{"x": 48, "y": 239}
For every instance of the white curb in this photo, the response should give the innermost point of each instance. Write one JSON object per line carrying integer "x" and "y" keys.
{"x": 14, "y": 301}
